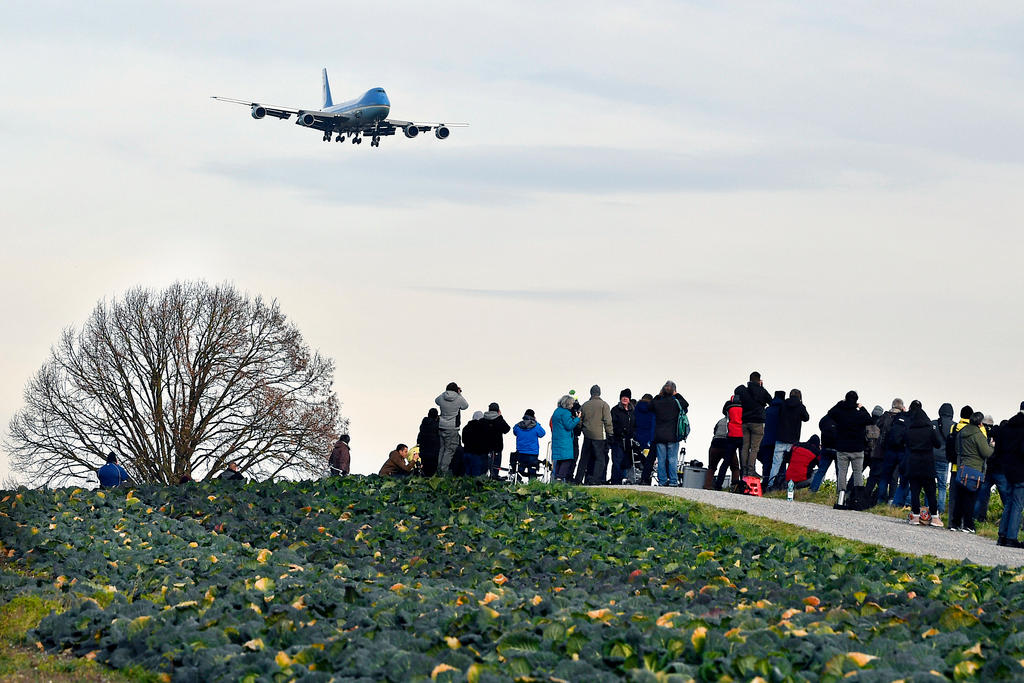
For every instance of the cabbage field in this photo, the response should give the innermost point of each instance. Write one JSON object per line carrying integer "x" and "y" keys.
{"x": 452, "y": 580}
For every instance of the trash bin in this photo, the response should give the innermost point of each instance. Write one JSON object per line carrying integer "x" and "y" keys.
{"x": 693, "y": 477}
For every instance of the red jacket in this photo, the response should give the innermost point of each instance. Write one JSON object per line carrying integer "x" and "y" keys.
{"x": 734, "y": 411}
{"x": 800, "y": 464}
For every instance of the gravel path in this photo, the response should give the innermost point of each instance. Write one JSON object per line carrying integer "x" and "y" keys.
{"x": 859, "y": 526}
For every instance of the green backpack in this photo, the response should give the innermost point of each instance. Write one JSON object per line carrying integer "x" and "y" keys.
{"x": 683, "y": 428}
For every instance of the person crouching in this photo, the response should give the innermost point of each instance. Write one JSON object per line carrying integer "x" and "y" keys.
{"x": 396, "y": 465}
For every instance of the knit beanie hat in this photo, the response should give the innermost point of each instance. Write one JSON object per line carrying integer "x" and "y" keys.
{"x": 529, "y": 414}
{"x": 478, "y": 415}
{"x": 625, "y": 393}
{"x": 493, "y": 407}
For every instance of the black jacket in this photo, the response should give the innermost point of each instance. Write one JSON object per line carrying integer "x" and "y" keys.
{"x": 792, "y": 414}
{"x": 497, "y": 428}
{"x": 829, "y": 432}
{"x": 477, "y": 438}
{"x": 429, "y": 437}
{"x": 666, "y": 417}
{"x": 1011, "y": 436}
{"x": 754, "y": 398}
{"x": 623, "y": 422}
{"x": 850, "y": 424}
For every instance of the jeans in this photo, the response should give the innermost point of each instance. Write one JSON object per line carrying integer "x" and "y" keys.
{"x": 828, "y": 456}
{"x": 846, "y": 459}
{"x": 951, "y": 500}
{"x": 449, "y": 442}
{"x": 997, "y": 479}
{"x": 963, "y": 508}
{"x": 622, "y": 462}
{"x": 592, "y": 465}
{"x": 475, "y": 465}
{"x": 563, "y": 470}
{"x": 1009, "y": 525}
{"x": 942, "y": 480}
{"x": 668, "y": 465}
{"x": 777, "y": 475}
{"x": 875, "y": 477}
{"x": 902, "y": 495}
{"x": 890, "y": 463}
{"x": 525, "y": 463}
{"x": 753, "y": 433}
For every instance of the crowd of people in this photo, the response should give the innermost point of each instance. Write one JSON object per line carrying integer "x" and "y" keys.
{"x": 883, "y": 457}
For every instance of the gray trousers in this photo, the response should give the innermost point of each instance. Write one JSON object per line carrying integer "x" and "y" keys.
{"x": 843, "y": 460}
{"x": 449, "y": 442}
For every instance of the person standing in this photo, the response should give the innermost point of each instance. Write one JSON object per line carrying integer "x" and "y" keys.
{"x": 766, "y": 452}
{"x": 451, "y": 403}
{"x": 873, "y": 452}
{"x": 563, "y": 424}
{"x": 754, "y": 399}
{"x": 112, "y": 475}
{"x": 477, "y": 441}
{"x": 891, "y": 435}
{"x": 1011, "y": 435}
{"x": 994, "y": 475}
{"x": 792, "y": 415}
{"x": 528, "y": 435}
{"x": 429, "y": 441}
{"x": 340, "y": 461}
{"x": 720, "y": 456}
{"x": 644, "y": 415}
{"x": 597, "y": 429}
{"x": 498, "y": 428}
{"x": 669, "y": 408}
{"x": 624, "y": 429}
{"x": 829, "y": 433}
{"x": 851, "y": 418}
{"x": 953, "y": 453}
{"x": 974, "y": 451}
{"x": 922, "y": 440}
{"x": 943, "y": 426}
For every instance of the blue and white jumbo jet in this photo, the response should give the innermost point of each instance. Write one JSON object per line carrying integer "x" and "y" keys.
{"x": 366, "y": 115}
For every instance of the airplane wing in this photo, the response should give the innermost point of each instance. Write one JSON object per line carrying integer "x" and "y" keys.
{"x": 424, "y": 126}
{"x": 261, "y": 110}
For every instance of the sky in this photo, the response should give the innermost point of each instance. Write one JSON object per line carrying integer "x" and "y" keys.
{"x": 827, "y": 193}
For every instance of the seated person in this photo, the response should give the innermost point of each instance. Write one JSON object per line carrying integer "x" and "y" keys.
{"x": 395, "y": 465}
{"x": 112, "y": 475}
{"x": 232, "y": 473}
{"x": 802, "y": 461}
{"x": 528, "y": 435}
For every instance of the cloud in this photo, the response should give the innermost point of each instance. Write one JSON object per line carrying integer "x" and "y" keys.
{"x": 553, "y": 295}
{"x": 503, "y": 174}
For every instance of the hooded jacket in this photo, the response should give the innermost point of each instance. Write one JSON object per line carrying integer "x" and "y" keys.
{"x": 803, "y": 457}
{"x": 771, "y": 422}
{"x": 943, "y": 426}
{"x": 666, "y": 417}
{"x": 974, "y": 447}
{"x": 429, "y": 436}
{"x": 754, "y": 399}
{"x": 341, "y": 457}
{"x": 528, "y": 435}
{"x": 1011, "y": 438}
{"x": 850, "y": 423}
{"x": 562, "y": 426}
{"x": 791, "y": 416}
{"x": 597, "y": 419}
{"x": 733, "y": 410}
{"x": 644, "y": 421}
{"x": 111, "y": 475}
{"x": 449, "y": 404}
{"x": 921, "y": 441}
{"x": 477, "y": 438}
{"x": 497, "y": 428}
{"x": 829, "y": 432}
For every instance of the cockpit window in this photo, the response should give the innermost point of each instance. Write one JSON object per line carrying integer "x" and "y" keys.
{"x": 380, "y": 90}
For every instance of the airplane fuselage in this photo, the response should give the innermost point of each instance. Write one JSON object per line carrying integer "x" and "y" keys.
{"x": 373, "y": 105}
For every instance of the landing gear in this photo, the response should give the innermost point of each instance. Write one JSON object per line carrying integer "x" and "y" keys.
{"x": 340, "y": 138}
{"x": 327, "y": 136}
{"x": 375, "y": 141}
{"x": 356, "y": 140}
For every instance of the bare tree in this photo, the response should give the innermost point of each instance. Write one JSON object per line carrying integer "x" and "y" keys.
{"x": 179, "y": 381}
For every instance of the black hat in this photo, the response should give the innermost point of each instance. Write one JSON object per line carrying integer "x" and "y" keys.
{"x": 778, "y": 394}
{"x": 494, "y": 407}
{"x": 625, "y": 393}
{"x": 966, "y": 412}
{"x": 111, "y": 456}
{"x": 529, "y": 413}
{"x": 344, "y": 437}
{"x": 1022, "y": 405}
{"x": 852, "y": 396}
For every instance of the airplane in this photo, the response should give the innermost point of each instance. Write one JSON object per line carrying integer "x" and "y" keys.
{"x": 365, "y": 115}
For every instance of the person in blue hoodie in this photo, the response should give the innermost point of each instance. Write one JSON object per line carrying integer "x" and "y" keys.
{"x": 766, "y": 452}
{"x": 563, "y": 423}
{"x": 528, "y": 435}
{"x": 112, "y": 475}
{"x": 644, "y": 435}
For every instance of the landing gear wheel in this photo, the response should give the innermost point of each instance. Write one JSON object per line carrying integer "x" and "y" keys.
{"x": 340, "y": 138}
{"x": 375, "y": 142}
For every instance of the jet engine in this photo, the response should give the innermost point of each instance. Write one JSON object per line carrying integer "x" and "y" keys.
{"x": 258, "y": 112}
{"x": 305, "y": 119}
{"x": 411, "y": 131}
{"x": 441, "y": 132}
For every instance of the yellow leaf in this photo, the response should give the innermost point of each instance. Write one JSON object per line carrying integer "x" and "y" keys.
{"x": 452, "y": 642}
{"x": 263, "y": 584}
{"x": 706, "y": 555}
{"x": 282, "y": 659}
{"x": 211, "y": 498}
{"x": 666, "y": 619}
{"x": 790, "y": 613}
{"x": 262, "y": 556}
{"x": 700, "y": 635}
{"x": 536, "y": 600}
{"x": 930, "y": 632}
{"x": 440, "y": 669}
{"x": 812, "y": 600}
{"x": 397, "y": 587}
{"x": 92, "y": 655}
{"x": 500, "y": 579}
{"x": 254, "y": 644}
{"x": 602, "y": 614}
{"x": 300, "y": 603}
{"x": 212, "y": 559}
{"x": 976, "y": 650}
{"x": 488, "y": 598}
{"x": 965, "y": 669}
{"x": 193, "y": 544}
{"x": 860, "y": 659}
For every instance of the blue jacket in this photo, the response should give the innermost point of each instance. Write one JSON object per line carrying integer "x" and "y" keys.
{"x": 111, "y": 475}
{"x": 528, "y": 440}
{"x": 771, "y": 421}
{"x": 644, "y": 424}
{"x": 562, "y": 424}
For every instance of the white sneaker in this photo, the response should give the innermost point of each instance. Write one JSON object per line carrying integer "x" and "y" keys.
{"x": 914, "y": 519}
{"x": 937, "y": 521}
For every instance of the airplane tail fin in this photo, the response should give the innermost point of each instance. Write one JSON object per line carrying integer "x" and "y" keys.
{"x": 328, "y": 102}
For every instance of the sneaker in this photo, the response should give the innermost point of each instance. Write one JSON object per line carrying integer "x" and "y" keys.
{"x": 914, "y": 519}
{"x": 926, "y": 518}
{"x": 955, "y": 528}
{"x": 936, "y": 521}
{"x": 968, "y": 531}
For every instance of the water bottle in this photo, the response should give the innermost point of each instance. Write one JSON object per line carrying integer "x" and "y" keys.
{"x": 789, "y": 491}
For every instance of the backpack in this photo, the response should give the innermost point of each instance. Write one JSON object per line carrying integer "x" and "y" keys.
{"x": 856, "y": 498}
{"x": 953, "y": 447}
{"x": 896, "y": 437}
{"x": 683, "y": 426}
